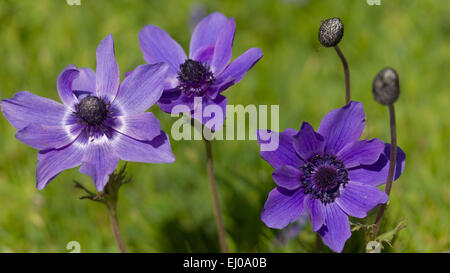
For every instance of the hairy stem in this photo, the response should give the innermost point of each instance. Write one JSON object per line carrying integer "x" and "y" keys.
{"x": 346, "y": 72}
{"x": 393, "y": 159}
{"x": 217, "y": 210}
{"x": 109, "y": 197}
{"x": 112, "y": 211}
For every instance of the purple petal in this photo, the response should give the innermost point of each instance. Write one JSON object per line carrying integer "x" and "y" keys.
{"x": 377, "y": 173}
{"x": 157, "y": 46}
{"x": 337, "y": 229}
{"x": 85, "y": 81}
{"x": 44, "y": 137}
{"x": 128, "y": 73}
{"x": 107, "y": 72}
{"x": 287, "y": 177}
{"x": 204, "y": 54}
{"x": 99, "y": 161}
{"x": 52, "y": 162}
{"x": 223, "y": 47}
{"x": 144, "y": 126}
{"x": 282, "y": 207}
{"x": 316, "y": 212}
{"x": 155, "y": 151}
{"x": 357, "y": 199}
{"x": 363, "y": 152}
{"x": 307, "y": 142}
{"x": 140, "y": 90}
{"x": 206, "y": 32}
{"x": 26, "y": 108}
{"x": 64, "y": 85}
{"x": 284, "y": 154}
{"x": 342, "y": 126}
{"x": 214, "y": 90}
{"x": 171, "y": 98}
{"x": 237, "y": 69}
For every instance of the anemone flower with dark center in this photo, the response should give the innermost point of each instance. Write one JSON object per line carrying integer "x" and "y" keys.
{"x": 100, "y": 121}
{"x": 328, "y": 174}
{"x": 206, "y": 73}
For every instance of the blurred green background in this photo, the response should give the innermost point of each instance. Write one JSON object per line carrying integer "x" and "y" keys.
{"x": 168, "y": 207}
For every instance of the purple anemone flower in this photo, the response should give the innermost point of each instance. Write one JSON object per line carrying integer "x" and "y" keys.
{"x": 206, "y": 73}
{"x": 99, "y": 122}
{"x": 328, "y": 174}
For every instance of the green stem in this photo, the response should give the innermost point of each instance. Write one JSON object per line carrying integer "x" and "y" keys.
{"x": 393, "y": 159}
{"x": 112, "y": 211}
{"x": 217, "y": 210}
{"x": 109, "y": 197}
{"x": 346, "y": 72}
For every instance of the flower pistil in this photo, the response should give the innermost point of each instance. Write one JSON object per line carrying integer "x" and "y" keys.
{"x": 194, "y": 77}
{"x": 323, "y": 175}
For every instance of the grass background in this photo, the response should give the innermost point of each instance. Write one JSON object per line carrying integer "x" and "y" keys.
{"x": 168, "y": 207}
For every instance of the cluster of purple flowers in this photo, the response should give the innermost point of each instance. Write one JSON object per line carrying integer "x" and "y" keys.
{"x": 328, "y": 174}
{"x": 103, "y": 120}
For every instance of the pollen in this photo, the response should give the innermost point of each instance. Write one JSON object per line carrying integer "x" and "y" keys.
{"x": 92, "y": 110}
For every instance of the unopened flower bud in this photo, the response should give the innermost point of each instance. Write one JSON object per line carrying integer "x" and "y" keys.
{"x": 386, "y": 87}
{"x": 331, "y": 32}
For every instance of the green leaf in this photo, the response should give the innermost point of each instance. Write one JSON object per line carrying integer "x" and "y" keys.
{"x": 389, "y": 236}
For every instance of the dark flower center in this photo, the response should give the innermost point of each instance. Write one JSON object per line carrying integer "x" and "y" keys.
{"x": 323, "y": 175}
{"x": 92, "y": 110}
{"x": 194, "y": 77}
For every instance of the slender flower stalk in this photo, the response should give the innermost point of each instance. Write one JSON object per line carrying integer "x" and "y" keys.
{"x": 330, "y": 34}
{"x": 112, "y": 211}
{"x": 110, "y": 197}
{"x": 346, "y": 72}
{"x": 386, "y": 90}
{"x": 213, "y": 186}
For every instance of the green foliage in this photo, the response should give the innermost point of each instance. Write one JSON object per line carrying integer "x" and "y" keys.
{"x": 168, "y": 207}
{"x": 388, "y": 237}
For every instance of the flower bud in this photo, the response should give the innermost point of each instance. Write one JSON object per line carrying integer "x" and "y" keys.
{"x": 331, "y": 32}
{"x": 386, "y": 87}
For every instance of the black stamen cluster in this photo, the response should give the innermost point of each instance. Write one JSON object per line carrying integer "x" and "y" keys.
{"x": 322, "y": 177}
{"x": 92, "y": 111}
{"x": 193, "y": 77}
